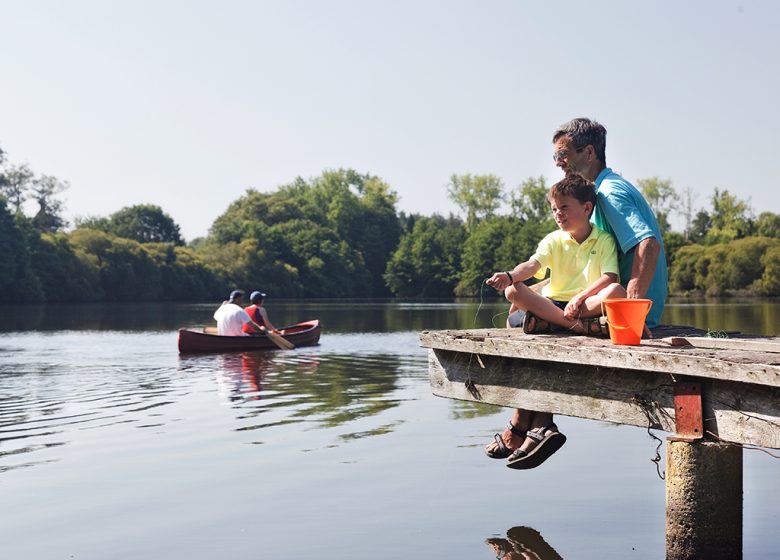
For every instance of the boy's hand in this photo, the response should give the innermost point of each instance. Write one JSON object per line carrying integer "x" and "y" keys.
{"x": 573, "y": 308}
{"x": 499, "y": 281}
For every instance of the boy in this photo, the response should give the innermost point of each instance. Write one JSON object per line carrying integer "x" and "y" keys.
{"x": 258, "y": 314}
{"x": 582, "y": 260}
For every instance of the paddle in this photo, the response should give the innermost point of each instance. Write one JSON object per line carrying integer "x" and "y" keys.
{"x": 279, "y": 340}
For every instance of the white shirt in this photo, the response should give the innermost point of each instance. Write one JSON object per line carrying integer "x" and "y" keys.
{"x": 230, "y": 318}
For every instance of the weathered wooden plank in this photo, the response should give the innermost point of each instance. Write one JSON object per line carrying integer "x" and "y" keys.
{"x": 597, "y": 393}
{"x": 737, "y": 412}
{"x": 757, "y": 345}
{"x": 761, "y": 368}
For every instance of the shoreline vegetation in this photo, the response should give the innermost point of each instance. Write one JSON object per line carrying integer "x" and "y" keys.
{"x": 340, "y": 235}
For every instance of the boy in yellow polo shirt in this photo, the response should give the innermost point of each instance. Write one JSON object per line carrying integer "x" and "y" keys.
{"x": 582, "y": 260}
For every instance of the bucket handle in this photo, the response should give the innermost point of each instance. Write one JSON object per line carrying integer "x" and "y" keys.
{"x": 619, "y": 327}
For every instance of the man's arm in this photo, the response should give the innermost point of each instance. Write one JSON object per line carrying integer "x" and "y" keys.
{"x": 264, "y": 314}
{"x": 642, "y": 270}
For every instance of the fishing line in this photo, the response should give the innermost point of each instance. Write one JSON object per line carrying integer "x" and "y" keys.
{"x": 481, "y": 301}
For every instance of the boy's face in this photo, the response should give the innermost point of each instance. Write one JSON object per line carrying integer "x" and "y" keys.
{"x": 570, "y": 214}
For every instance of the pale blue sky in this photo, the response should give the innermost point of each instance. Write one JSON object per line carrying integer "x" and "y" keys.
{"x": 187, "y": 104}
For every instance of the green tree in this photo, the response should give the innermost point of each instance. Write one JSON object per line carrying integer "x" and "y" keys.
{"x": 15, "y": 185}
{"x": 338, "y": 229}
{"x": 661, "y": 197}
{"x": 682, "y": 272}
{"x": 44, "y": 191}
{"x": 770, "y": 280}
{"x": 479, "y": 253}
{"x": 711, "y": 272}
{"x": 478, "y": 196}
{"x": 17, "y": 281}
{"x": 730, "y": 218}
{"x": 145, "y": 223}
{"x": 530, "y": 202}
{"x": 64, "y": 274}
{"x": 700, "y": 227}
{"x": 427, "y": 260}
{"x": 126, "y": 270}
{"x": 768, "y": 224}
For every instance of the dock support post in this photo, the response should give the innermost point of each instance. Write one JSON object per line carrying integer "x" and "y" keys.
{"x": 703, "y": 500}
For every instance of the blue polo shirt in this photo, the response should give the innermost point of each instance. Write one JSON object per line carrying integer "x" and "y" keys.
{"x": 622, "y": 211}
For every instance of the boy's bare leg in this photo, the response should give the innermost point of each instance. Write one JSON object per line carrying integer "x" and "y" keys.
{"x": 593, "y": 306}
{"x": 522, "y": 297}
{"x": 593, "y": 303}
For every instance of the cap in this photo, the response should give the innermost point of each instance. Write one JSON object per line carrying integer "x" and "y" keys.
{"x": 256, "y": 296}
{"x": 235, "y": 293}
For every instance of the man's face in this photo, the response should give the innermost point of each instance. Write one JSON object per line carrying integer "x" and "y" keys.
{"x": 567, "y": 157}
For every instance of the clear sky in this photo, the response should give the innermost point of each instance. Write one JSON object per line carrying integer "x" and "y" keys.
{"x": 186, "y": 104}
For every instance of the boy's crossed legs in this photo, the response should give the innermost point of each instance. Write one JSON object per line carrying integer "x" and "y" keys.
{"x": 543, "y": 309}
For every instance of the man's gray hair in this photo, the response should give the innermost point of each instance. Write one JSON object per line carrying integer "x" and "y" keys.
{"x": 583, "y": 132}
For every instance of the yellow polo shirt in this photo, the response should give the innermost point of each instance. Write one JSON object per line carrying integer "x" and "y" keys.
{"x": 574, "y": 266}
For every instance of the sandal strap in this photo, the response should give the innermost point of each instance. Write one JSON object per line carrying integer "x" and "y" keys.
{"x": 515, "y": 430}
{"x": 539, "y": 434}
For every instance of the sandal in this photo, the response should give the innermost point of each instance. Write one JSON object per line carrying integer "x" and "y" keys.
{"x": 548, "y": 441}
{"x": 534, "y": 325}
{"x": 502, "y": 451}
{"x": 596, "y": 326}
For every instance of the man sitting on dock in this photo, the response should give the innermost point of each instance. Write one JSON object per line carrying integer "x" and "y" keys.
{"x": 580, "y": 148}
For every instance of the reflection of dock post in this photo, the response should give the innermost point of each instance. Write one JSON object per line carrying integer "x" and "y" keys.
{"x": 703, "y": 500}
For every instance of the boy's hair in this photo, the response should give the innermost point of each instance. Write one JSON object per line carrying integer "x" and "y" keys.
{"x": 575, "y": 186}
{"x": 584, "y": 132}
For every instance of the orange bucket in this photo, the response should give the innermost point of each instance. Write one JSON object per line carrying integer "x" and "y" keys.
{"x": 626, "y": 318}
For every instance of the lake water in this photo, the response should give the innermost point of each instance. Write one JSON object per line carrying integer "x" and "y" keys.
{"x": 114, "y": 446}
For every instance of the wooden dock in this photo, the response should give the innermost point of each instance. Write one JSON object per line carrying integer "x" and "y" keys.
{"x": 713, "y": 395}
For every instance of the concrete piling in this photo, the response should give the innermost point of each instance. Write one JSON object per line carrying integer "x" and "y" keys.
{"x": 703, "y": 500}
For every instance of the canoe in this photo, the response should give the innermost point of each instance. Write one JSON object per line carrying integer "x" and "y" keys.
{"x": 204, "y": 339}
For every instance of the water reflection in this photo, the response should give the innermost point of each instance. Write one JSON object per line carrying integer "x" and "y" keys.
{"x": 522, "y": 543}
{"x": 322, "y": 391}
{"x": 244, "y": 374}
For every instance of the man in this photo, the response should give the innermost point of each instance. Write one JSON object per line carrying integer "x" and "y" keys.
{"x": 231, "y": 317}
{"x": 580, "y": 148}
{"x": 621, "y": 210}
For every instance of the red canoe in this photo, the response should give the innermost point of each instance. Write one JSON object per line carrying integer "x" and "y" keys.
{"x": 194, "y": 340}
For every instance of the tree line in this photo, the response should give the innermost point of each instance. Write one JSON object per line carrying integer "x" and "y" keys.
{"x": 341, "y": 235}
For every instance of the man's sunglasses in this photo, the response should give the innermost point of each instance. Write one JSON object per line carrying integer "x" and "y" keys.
{"x": 561, "y": 155}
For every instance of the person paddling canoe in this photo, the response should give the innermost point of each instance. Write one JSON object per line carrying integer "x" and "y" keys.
{"x": 259, "y": 315}
{"x": 231, "y": 317}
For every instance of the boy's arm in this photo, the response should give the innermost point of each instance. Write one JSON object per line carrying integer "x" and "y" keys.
{"x": 574, "y": 307}
{"x": 520, "y": 273}
{"x": 264, "y": 315}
